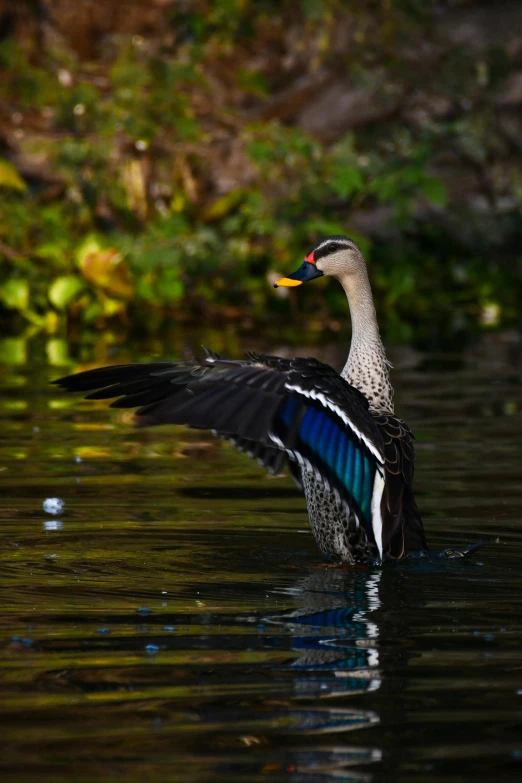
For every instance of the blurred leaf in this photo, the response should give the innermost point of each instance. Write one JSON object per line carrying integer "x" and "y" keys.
{"x": 52, "y": 252}
{"x": 92, "y": 312}
{"x": 64, "y": 289}
{"x": 261, "y": 151}
{"x": 13, "y": 350}
{"x": 10, "y": 178}
{"x": 133, "y": 177}
{"x": 169, "y": 286}
{"x": 253, "y": 82}
{"x": 51, "y": 321}
{"x": 111, "y": 306}
{"x": 346, "y": 181}
{"x": 223, "y": 206}
{"x": 57, "y": 351}
{"x": 145, "y": 289}
{"x": 106, "y": 269}
{"x": 15, "y": 294}
{"x": 435, "y": 191}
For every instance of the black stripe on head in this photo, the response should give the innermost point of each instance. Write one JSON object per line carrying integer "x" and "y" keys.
{"x": 328, "y": 245}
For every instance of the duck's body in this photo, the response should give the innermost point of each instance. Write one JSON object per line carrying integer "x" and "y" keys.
{"x": 347, "y": 450}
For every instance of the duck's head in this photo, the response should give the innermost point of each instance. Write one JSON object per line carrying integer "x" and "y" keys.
{"x": 336, "y": 256}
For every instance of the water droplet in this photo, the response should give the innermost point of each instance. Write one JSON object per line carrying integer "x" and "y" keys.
{"x": 103, "y": 630}
{"x": 53, "y": 505}
{"x": 169, "y": 628}
{"x": 152, "y": 649}
{"x": 144, "y": 611}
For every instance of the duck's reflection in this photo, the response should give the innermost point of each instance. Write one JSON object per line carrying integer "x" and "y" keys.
{"x": 335, "y": 631}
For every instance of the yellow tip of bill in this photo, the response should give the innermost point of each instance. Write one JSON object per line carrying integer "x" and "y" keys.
{"x": 288, "y": 283}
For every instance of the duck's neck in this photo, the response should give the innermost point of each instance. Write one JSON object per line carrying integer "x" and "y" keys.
{"x": 367, "y": 367}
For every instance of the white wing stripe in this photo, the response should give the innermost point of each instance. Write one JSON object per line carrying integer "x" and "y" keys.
{"x": 378, "y": 488}
{"x": 314, "y": 395}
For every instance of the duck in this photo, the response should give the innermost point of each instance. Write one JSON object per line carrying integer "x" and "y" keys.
{"x": 337, "y": 433}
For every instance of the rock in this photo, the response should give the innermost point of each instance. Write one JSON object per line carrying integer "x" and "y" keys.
{"x": 342, "y": 106}
{"x": 480, "y": 26}
{"x": 511, "y": 92}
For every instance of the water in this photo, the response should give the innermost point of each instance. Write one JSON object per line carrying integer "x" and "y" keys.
{"x": 172, "y": 620}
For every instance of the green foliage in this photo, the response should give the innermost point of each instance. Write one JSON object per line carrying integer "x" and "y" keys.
{"x": 10, "y": 179}
{"x": 64, "y": 289}
{"x": 15, "y": 294}
{"x": 127, "y": 222}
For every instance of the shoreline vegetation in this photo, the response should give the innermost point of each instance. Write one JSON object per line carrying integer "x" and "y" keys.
{"x": 166, "y": 163}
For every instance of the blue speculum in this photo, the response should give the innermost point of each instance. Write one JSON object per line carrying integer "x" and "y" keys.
{"x": 323, "y": 439}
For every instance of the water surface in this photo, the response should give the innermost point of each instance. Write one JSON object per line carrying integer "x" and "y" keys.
{"x": 173, "y": 620}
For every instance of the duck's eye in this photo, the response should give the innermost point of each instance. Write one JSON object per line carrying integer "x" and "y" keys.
{"x": 332, "y": 247}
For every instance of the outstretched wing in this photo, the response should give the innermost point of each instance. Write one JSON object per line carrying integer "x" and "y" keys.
{"x": 402, "y": 523}
{"x": 269, "y": 407}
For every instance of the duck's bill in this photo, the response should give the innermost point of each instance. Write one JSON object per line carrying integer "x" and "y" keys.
{"x": 306, "y": 272}
{"x": 287, "y": 282}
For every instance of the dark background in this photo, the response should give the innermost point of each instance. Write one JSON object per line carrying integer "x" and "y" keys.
{"x": 161, "y": 162}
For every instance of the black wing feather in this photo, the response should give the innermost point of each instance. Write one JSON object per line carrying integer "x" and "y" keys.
{"x": 240, "y": 400}
{"x": 403, "y": 530}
